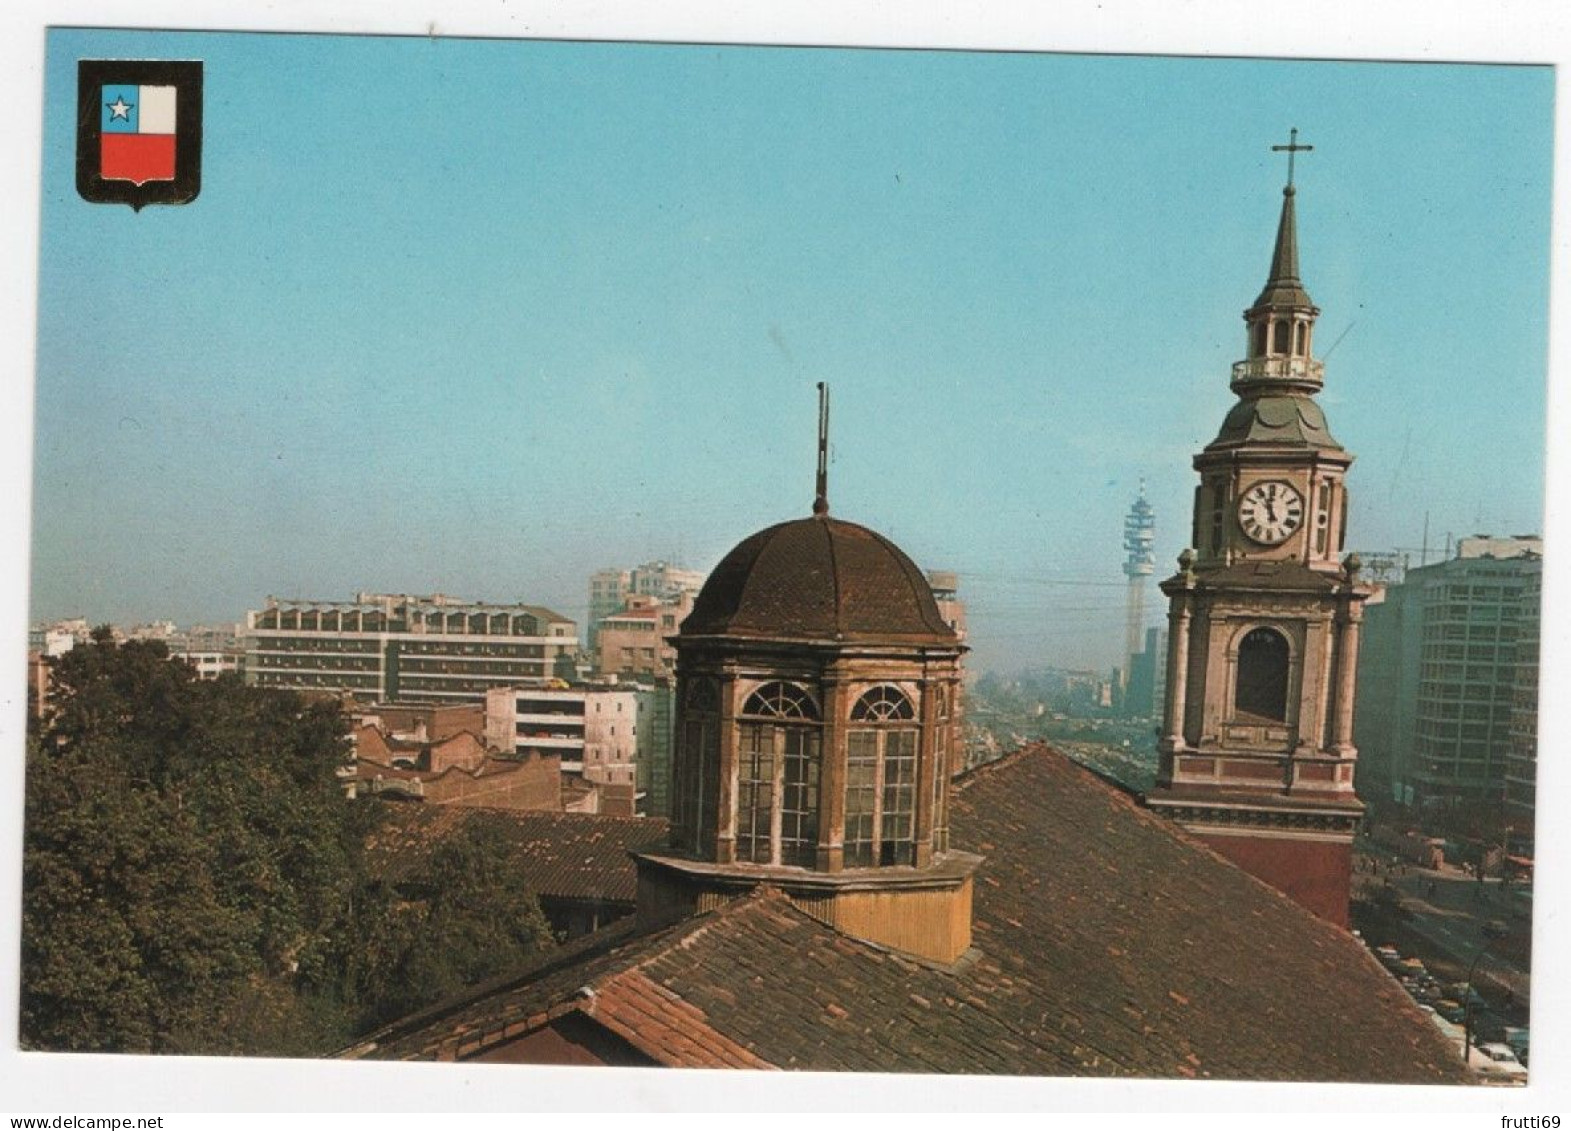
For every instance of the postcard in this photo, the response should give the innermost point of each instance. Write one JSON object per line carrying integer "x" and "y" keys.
{"x": 784, "y": 548}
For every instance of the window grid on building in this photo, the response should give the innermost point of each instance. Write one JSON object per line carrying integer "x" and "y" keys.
{"x": 777, "y": 776}
{"x": 881, "y": 781}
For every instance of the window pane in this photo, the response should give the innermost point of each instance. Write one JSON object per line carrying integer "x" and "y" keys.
{"x": 799, "y": 803}
{"x": 897, "y": 843}
{"x": 861, "y": 786}
{"x": 755, "y": 792}
{"x": 881, "y": 703}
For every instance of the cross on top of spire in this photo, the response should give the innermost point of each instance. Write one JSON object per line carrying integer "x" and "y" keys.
{"x": 1292, "y": 149}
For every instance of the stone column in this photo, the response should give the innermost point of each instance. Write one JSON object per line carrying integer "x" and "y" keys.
{"x": 1347, "y": 678}
{"x": 1178, "y": 618}
{"x": 832, "y": 774}
{"x": 926, "y": 756}
{"x": 725, "y": 776}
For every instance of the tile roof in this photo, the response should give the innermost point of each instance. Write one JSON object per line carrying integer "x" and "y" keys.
{"x": 564, "y": 855}
{"x": 1107, "y": 943}
{"x": 818, "y": 579}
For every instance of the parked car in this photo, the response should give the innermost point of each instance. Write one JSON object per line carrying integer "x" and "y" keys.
{"x": 1515, "y": 1037}
{"x": 1452, "y": 1011}
{"x": 1412, "y": 966}
{"x": 1498, "y": 1061}
{"x": 1496, "y": 929}
{"x": 1466, "y": 994}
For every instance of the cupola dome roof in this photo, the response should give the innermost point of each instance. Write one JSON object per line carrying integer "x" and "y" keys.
{"x": 819, "y": 579}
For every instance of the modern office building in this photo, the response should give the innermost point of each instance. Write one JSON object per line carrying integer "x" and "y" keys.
{"x": 1440, "y": 719}
{"x": 1521, "y": 767}
{"x": 401, "y": 648}
{"x": 1147, "y": 677}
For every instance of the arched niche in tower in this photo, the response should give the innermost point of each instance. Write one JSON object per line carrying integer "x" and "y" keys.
{"x": 1264, "y": 659}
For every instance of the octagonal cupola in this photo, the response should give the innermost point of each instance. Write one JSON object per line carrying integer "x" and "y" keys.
{"x": 815, "y": 737}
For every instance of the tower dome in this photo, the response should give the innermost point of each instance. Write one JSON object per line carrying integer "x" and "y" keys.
{"x": 818, "y": 579}
{"x": 815, "y": 732}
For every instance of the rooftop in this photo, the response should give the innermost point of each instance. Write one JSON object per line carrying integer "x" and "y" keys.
{"x": 819, "y": 579}
{"x": 1107, "y": 943}
{"x": 564, "y": 855}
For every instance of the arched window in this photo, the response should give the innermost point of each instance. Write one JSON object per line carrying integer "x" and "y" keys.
{"x": 777, "y": 776}
{"x": 780, "y": 700}
{"x": 880, "y": 812}
{"x": 1263, "y": 656}
{"x": 882, "y": 704}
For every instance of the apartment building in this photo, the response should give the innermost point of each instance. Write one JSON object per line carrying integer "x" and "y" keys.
{"x": 402, "y": 648}
{"x": 610, "y": 590}
{"x": 635, "y": 641}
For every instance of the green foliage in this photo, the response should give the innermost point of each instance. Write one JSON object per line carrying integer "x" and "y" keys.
{"x": 193, "y": 878}
{"x": 471, "y": 918}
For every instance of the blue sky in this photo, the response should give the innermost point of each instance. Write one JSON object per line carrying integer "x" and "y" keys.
{"x": 483, "y": 317}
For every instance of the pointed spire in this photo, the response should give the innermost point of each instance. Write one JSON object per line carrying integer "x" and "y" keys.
{"x": 821, "y": 502}
{"x": 1284, "y": 259}
{"x": 1283, "y": 288}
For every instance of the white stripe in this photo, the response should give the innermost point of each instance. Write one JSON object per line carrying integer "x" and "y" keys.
{"x": 157, "y": 112}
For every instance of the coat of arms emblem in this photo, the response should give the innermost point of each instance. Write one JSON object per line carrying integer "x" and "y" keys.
{"x": 139, "y": 131}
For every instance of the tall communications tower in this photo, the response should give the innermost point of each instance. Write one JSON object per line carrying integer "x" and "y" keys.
{"x": 1139, "y": 564}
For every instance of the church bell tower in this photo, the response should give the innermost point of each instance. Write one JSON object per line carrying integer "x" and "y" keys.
{"x": 1256, "y": 746}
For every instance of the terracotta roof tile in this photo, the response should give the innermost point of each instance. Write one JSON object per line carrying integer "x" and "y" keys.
{"x": 563, "y": 855}
{"x": 1106, "y": 943}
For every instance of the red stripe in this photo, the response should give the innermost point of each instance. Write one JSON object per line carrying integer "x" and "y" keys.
{"x": 137, "y": 158}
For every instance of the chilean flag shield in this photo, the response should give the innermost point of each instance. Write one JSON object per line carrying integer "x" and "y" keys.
{"x": 139, "y": 131}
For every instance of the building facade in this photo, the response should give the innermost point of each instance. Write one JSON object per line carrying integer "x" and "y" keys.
{"x": 946, "y": 593}
{"x": 636, "y": 640}
{"x": 610, "y": 589}
{"x": 1450, "y": 714}
{"x": 593, "y": 730}
{"x": 400, "y": 648}
{"x": 1147, "y": 677}
{"x": 1521, "y": 765}
{"x": 1256, "y": 749}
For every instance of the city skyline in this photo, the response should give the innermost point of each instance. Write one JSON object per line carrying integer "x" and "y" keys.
{"x": 412, "y": 359}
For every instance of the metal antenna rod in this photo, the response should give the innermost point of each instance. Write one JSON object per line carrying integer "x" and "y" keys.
{"x": 821, "y": 503}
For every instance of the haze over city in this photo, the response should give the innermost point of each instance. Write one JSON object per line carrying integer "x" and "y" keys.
{"x": 526, "y": 310}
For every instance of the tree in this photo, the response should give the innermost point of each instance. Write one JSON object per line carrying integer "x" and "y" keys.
{"x": 465, "y": 916}
{"x": 194, "y": 881}
{"x": 186, "y": 850}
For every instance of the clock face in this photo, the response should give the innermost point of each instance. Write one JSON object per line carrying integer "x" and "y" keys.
{"x": 1269, "y": 512}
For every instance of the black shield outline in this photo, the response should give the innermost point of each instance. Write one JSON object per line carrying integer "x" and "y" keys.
{"x": 186, "y": 77}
